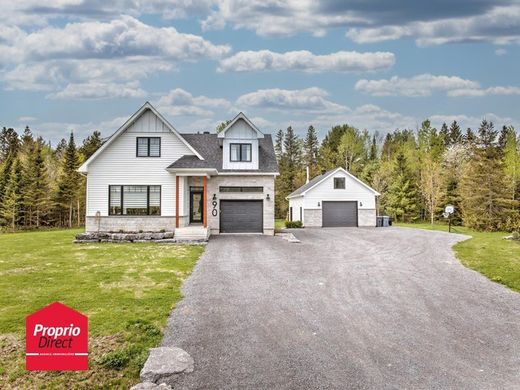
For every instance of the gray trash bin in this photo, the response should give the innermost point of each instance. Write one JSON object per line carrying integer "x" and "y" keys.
{"x": 386, "y": 221}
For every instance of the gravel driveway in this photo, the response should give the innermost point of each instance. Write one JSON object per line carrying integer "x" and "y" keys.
{"x": 347, "y": 308}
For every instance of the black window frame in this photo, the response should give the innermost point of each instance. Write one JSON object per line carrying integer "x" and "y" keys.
{"x": 341, "y": 179}
{"x": 121, "y": 190}
{"x": 240, "y": 159}
{"x": 148, "y": 146}
{"x": 246, "y": 189}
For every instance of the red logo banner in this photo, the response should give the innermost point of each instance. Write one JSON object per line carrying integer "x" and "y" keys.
{"x": 56, "y": 339}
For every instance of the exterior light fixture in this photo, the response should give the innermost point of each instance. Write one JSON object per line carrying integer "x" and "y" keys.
{"x": 360, "y": 204}
{"x": 268, "y": 197}
{"x": 214, "y": 196}
{"x": 318, "y": 204}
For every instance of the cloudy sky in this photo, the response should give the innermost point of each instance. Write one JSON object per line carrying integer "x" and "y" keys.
{"x": 375, "y": 64}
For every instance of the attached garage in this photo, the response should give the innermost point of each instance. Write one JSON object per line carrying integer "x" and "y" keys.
{"x": 334, "y": 199}
{"x": 241, "y": 216}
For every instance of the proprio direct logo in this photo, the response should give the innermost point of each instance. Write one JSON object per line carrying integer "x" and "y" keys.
{"x": 56, "y": 339}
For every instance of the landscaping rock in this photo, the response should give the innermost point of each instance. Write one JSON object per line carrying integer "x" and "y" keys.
{"x": 166, "y": 364}
{"x": 151, "y": 386}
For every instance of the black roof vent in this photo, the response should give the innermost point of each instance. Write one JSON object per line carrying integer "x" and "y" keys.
{"x": 206, "y": 132}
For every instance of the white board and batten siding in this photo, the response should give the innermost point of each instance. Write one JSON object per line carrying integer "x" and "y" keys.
{"x": 354, "y": 191}
{"x": 118, "y": 165}
{"x": 240, "y": 133}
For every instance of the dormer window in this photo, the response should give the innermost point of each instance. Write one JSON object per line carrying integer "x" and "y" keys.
{"x": 148, "y": 147}
{"x": 240, "y": 152}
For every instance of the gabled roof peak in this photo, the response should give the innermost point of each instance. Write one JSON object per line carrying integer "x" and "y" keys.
{"x": 145, "y": 107}
{"x": 242, "y": 116}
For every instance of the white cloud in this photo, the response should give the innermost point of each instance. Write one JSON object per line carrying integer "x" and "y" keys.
{"x": 179, "y": 102}
{"x": 420, "y": 85}
{"x": 499, "y": 25}
{"x": 307, "y": 100}
{"x": 275, "y": 17}
{"x": 426, "y": 84}
{"x": 485, "y": 92}
{"x": 34, "y": 12}
{"x": 86, "y": 54}
{"x": 120, "y": 38}
{"x": 303, "y": 60}
{"x": 375, "y": 21}
{"x": 500, "y": 52}
{"x": 100, "y": 90}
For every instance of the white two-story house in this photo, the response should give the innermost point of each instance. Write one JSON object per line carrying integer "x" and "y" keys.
{"x": 149, "y": 177}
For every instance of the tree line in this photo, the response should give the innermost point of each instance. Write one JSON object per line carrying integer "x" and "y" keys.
{"x": 39, "y": 184}
{"x": 416, "y": 172}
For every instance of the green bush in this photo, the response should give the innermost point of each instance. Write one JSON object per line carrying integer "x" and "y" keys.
{"x": 293, "y": 224}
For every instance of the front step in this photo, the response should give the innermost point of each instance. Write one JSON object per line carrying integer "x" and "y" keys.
{"x": 191, "y": 233}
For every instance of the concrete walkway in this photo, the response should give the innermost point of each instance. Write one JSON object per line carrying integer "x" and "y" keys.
{"x": 346, "y": 308}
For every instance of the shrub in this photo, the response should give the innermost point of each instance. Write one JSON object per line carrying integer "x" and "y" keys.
{"x": 293, "y": 224}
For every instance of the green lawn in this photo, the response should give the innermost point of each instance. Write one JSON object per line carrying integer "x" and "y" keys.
{"x": 126, "y": 290}
{"x": 279, "y": 224}
{"x": 487, "y": 253}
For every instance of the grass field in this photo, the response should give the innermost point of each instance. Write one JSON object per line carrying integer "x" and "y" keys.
{"x": 487, "y": 253}
{"x": 126, "y": 290}
{"x": 279, "y": 224}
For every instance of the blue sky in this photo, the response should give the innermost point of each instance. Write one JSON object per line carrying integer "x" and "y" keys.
{"x": 88, "y": 65}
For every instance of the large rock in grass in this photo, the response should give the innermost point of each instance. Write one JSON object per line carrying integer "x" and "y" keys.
{"x": 151, "y": 386}
{"x": 165, "y": 364}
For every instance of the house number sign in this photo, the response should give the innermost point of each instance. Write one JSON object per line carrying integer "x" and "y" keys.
{"x": 214, "y": 212}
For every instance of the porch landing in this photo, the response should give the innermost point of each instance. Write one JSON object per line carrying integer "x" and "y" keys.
{"x": 192, "y": 233}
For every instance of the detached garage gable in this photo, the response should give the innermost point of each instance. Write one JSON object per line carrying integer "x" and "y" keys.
{"x": 336, "y": 198}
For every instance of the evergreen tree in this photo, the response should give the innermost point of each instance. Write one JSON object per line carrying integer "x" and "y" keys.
{"x": 373, "y": 149}
{"x": 469, "y": 137}
{"x": 292, "y": 157}
{"x": 9, "y": 144}
{"x": 12, "y": 201}
{"x": 36, "y": 196}
{"x": 278, "y": 144}
{"x": 511, "y": 152}
{"x": 485, "y": 204}
{"x": 402, "y": 193}
{"x": 310, "y": 149}
{"x": 60, "y": 148}
{"x": 90, "y": 145}
{"x": 455, "y": 134}
{"x": 69, "y": 180}
{"x": 444, "y": 133}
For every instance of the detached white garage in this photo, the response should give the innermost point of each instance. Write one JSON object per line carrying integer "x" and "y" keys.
{"x": 334, "y": 199}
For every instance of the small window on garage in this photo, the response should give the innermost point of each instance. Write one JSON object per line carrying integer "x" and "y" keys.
{"x": 339, "y": 183}
{"x": 240, "y": 189}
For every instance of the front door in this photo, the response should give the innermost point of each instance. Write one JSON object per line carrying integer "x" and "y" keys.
{"x": 196, "y": 208}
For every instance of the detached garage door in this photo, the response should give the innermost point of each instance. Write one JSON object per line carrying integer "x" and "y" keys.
{"x": 337, "y": 214}
{"x": 241, "y": 216}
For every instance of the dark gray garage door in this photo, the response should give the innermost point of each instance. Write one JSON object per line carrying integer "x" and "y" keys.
{"x": 241, "y": 216}
{"x": 339, "y": 214}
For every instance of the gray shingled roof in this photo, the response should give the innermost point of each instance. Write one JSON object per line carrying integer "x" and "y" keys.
{"x": 312, "y": 182}
{"x": 209, "y": 147}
